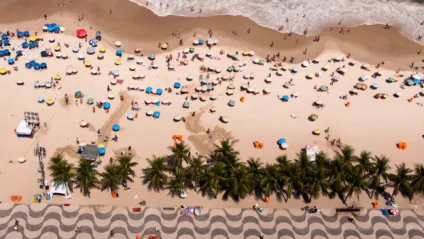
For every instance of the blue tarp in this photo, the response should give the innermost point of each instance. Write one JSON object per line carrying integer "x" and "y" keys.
{"x": 281, "y": 141}
{"x": 116, "y": 127}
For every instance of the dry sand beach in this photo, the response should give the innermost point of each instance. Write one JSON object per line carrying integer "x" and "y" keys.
{"x": 368, "y": 124}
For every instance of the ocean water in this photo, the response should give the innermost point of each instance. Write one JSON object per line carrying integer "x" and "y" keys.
{"x": 297, "y": 15}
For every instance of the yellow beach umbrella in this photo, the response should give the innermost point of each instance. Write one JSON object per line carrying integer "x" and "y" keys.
{"x": 87, "y": 63}
{"x": 118, "y": 62}
{"x": 32, "y": 38}
{"x": 57, "y": 77}
{"x": 102, "y": 50}
{"x": 317, "y": 132}
{"x": 111, "y": 97}
{"x": 37, "y": 38}
{"x": 57, "y": 48}
{"x": 3, "y": 71}
{"x": 100, "y": 146}
{"x": 50, "y": 101}
{"x": 164, "y": 46}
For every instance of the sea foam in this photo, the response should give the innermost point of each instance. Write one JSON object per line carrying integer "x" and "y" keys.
{"x": 303, "y": 14}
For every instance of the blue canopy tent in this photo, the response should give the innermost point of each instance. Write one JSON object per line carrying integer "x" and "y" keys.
{"x": 43, "y": 65}
{"x": 6, "y": 42}
{"x": 19, "y": 53}
{"x": 101, "y": 151}
{"x": 119, "y": 52}
{"x": 116, "y": 127}
{"x": 159, "y": 91}
{"x": 10, "y": 61}
{"x": 26, "y": 33}
{"x": 416, "y": 81}
{"x": 156, "y": 114}
{"x": 19, "y": 34}
{"x": 285, "y": 98}
{"x": 149, "y": 90}
{"x": 106, "y": 105}
{"x": 177, "y": 85}
{"x": 281, "y": 141}
{"x": 4, "y": 36}
{"x": 25, "y": 45}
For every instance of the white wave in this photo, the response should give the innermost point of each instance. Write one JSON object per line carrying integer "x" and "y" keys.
{"x": 303, "y": 14}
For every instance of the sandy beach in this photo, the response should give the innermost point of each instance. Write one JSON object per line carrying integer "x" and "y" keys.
{"x": 376, "y": 125}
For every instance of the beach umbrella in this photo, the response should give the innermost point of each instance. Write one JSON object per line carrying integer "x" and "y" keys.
{"x": 90, "y": 50}
{"x": 83, "y": 123}
{"x": 101, "y": 151}
{"x": 313, "y": 117}
{"x": 100, "y": 146}
{"x": 164, "y": 46}
{"x": 416, "y": 81}
{"x": 159, "y": 91}
{"x": 117, "y": 62}
{"x": 149, "y": 90}
{"x": 149, "y": 113}
{"x": 118, "y": 43}
{"x": 231, "y": 103}
{"x": 323, "y": 88}
{"x": 156, "y": 114}
{"x": 102, "y": 50}
{"x": 130, "y": 116}
{"x": 375, "y": 86}
{"x": 295, "y": 69}
{"x": 186, "y": 104}
{"x": 212, "y": 109}
{"x": 194, "y": 96}
{"x": 305, "y": 64}
{"x": 111, "y": 97}
{"x": 177, "y": 118}
{"x": 78, "y": 94}
{"x": 317, "y": 132}
{"x": 152, "y": 57}
{"x": 416, "y": 77}
{"x": 137, "y": 50}
{"x": 148, "y": 101}
{"x": 119, "y": 52}
{"x": 363, "y": 78}
{"x": 90, "y": 101}
{"x": 398, "y": 94}
{"x": 224, "y": 119}
{"x": 281, "y": 141}
{"x": 285, "y": 98}
{"x": 231, "y": 87}
{"x": 284, "y": 145}
{"x": 116, "y": 127}
{"x": 10, "y": 61}
{"x": 50, "y": 101}
{"x": 268, "y": 80}
{"x": 100, "y": 56}
{"x": 213, "y": 97}
{"x": 20, "y": 82}
{"x": 40, "y": 99}
{"x": 81, "y": 33}
{"x": 106, "y": 105}
{"x": 21, "y": 160}
{"x": 48, "y": 85}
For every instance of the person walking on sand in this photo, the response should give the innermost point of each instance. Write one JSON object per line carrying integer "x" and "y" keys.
{"x": 45, "y": 16}
{"x": 272, "y": 44}
{"x": 306, "y": 50}
{"x": 110, "y": 11}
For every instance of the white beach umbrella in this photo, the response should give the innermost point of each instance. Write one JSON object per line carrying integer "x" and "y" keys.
{"x": 244, "y": 86}
{"x": 64, "y": 56}
{"x": 213, "y": 109}
{"x": 246, "y": 76}
{"x": 203, "y": 98}
{"x": 51, "y": 39}
{"x": 398, "y": 94}
{"x": 213, "y": 97}
{"x": 177, "y": 118}
{"x": 218, "y": 70}
{"x": 194, "y": 96}
{"x": 198, "y": 89}
{"x": 189, "y": 78}
{"x": 94, "y": 71}
{"x": 279, "y": 73}
{"x": 165, "y": 101}
{"x": 139, "y": 61}
{"x": 132, "y": 68}
{"x": 250, "y": 89}
{"x": 268, "y": 80}
{"x": 113, "y": 81}
{"x": 305, "y": 64}
{"x": 149, "y": 113}
{"x": 266, "y": 90}
{"x": 204, "y": 88}
{"x": 148, "y": 101}
{"x": 231, "y": 87}
{"x": 58, "y": 55}
{"x": 224, "y": 119}
{"x": 230, "y": 92}
{"x": 136, "y": 76}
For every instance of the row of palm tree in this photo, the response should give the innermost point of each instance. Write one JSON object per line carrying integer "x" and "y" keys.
{"x": 85, "y": 176}
{"x": 343, "y": 175}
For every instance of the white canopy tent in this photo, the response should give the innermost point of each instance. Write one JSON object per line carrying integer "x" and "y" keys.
{"x": 59, "y": 188}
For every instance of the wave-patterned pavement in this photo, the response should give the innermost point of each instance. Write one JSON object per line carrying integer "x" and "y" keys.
{"x": 57, "y": 221}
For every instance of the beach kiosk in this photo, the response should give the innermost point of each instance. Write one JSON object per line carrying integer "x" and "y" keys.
{"x": 59, "y": 188}
{"x": 24, "y": 130}
{"x": 89, "y": 152}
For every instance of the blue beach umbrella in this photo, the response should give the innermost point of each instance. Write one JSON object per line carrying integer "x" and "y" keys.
{"x": 201, "y": 41}
{"x": 156, "y": 114}
{"x": 106, "y": 105}
{"x": 159, "y": 91}
{"x": 149, "y": 90}
{"x": 28, "y": 65}
{"x": 116, "y": 127}
{"x": 19, "y": 53}
{"x": 43, "y": 65}
{"x": 6, "y": 42}
{"x": 101, "y": 151}
{"x": 26, "y": 33}
{"x": 10, "y": 61}
{"x": 416, "y": 81}
{"x": 19, "y": 34}
{"x": 375, "y": 86}
{"x": 285, "y": 98}
{"x": 92, "y": 42}
{"x": 119, "y": 52}
{"x": 281, "y": 141}
{"x": 177, "y": 85}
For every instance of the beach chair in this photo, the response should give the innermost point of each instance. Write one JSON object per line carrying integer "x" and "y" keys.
{"x": 256, "y": 144}
{"x": 113, "y": 194}
{"x": 261, "y": 145}
{"x": 13, "y": 198}
{"x": 19, "y": 198}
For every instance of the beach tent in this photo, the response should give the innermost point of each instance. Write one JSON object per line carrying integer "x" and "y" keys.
{"x": 106, "y": 105}
{"x": 81, "y": 33}
{"x": 116, "y": 127}
{"x": 59, "y": 188}
{"x": 23, "y": 130}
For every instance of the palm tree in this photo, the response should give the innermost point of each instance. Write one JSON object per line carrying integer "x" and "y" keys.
{"x": 210, "y": 182}
{"x": 356, "y": 183}
{"x": 321, "y": 160}
{"x": 178, "y": 183}
{"x": 364, "y": 161}
{"x": 317, "y": 183}
{"x": 110, "y": 178}
{"x": 255, "y": 170}
{"x": 283, "y": 163}
{"x": 195, "y": 169}
{"x": 346, "y": 153}
{"x": 270, "y": 182}
{"x": 402, "y": 181}
{"x": 62, "y": 172}
{"x": 154, "y": 174}
{"x": 180, "y": 154}
{"x": 126, "y": 166}
{"x": 337, "y": 176}
{"x": 225, "y": 153}
{"x": 86, "y": 177}
{"x": 293, "y": 180}
{"x": 303, "y": 161}
{"x": 379, "y": 171}
{"x": 239, "y": 184}
{"x": 417, "y": 182}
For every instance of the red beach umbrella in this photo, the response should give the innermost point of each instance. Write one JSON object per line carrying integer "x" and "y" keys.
{"x": 81, "y": 33}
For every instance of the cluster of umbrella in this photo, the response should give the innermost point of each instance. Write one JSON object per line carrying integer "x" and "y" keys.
{"x": 37, "y": 85}
{"x": 101, "y": 149}
{"x": 35, "y": 65}
{"x": 53, "y": 27}
{"x": 4, "y": 53}
{"x": 282, "y": 142}
{"x": 158, "y": 91}
{"x": 21, "y": 34}
{"x": 361, "y": 86}
{"x": 155, "y": 114}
